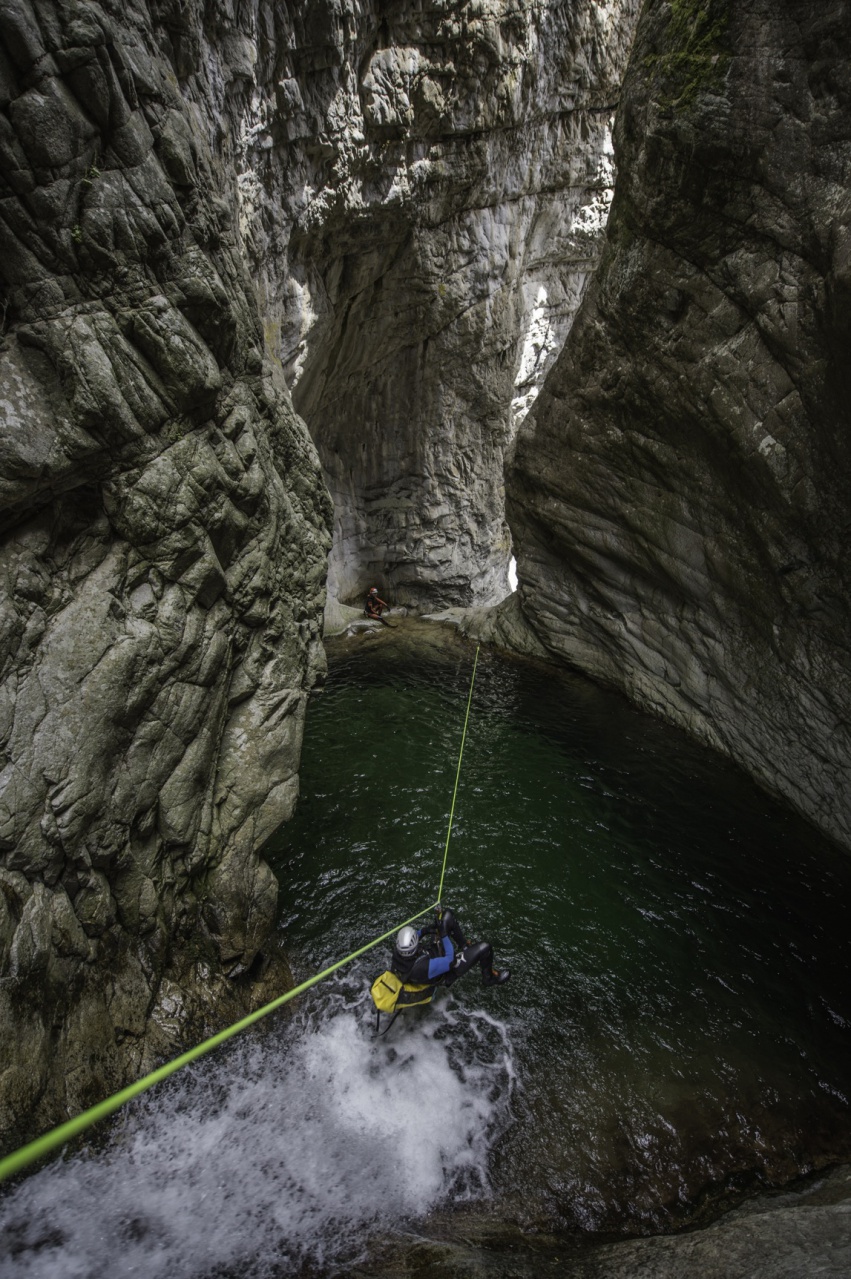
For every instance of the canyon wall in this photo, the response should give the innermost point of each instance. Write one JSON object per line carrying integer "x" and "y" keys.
{"x": 425, "y": 187}
{"x": 384, "y": 215}
{"x": 680, "y": 495}
{"x": 163, "y": 545}
{"x": 392, "y": 209}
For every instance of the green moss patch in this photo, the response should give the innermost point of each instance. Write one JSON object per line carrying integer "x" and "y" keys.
{"x": 697, "y": 57}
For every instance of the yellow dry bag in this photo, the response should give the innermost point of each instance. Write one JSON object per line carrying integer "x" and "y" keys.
{"x": 390, "y": 995}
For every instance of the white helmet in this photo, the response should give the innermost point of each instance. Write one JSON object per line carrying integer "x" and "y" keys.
{"x": 407, "y": 940}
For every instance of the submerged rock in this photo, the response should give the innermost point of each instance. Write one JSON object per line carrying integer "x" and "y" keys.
{"x": 779, "y": 1236}
{"x": 679, "y": 498}
{"x": 162, "y": 558}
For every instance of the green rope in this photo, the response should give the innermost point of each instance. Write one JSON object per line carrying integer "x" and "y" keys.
{"x": 43, "y": 1145}
{"x": 73, "y": 1127}
{"x": 457, "y": 775}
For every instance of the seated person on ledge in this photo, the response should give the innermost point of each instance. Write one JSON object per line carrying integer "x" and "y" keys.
{"x": 374, "y": 606}
{"x": 440, "y": 952}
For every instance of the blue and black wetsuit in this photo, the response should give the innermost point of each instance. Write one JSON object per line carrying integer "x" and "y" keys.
{"x": 428, "y": 966}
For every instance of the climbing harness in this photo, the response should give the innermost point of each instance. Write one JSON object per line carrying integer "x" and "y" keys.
{"x": 56, "y": 1137}
{"x": 390, "y": 993}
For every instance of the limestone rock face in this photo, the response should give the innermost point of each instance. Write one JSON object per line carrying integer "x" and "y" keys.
{"x": 424, "y": 192}
{"x": 163, "y": 539}
{"x": 680, "y": 495}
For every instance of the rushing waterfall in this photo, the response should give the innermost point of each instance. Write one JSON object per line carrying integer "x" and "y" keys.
{"x": 293, "y": 1147}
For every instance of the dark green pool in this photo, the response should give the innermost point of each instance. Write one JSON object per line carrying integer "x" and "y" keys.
{"x": 675, "y": 1033}
{"x": 680, "y": 1006}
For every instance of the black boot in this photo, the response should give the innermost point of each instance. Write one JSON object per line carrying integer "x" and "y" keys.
{"x": 496, "y": 977}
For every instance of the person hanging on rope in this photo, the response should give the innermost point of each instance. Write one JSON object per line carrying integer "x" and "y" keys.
{"x": 374, "y": 607}
{"x": 440, "y": 952}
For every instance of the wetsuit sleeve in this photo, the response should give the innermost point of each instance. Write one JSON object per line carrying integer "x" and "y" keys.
{"x": 437, "y": 967}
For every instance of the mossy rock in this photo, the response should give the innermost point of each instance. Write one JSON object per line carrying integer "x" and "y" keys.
{"x": 695, "y": 55}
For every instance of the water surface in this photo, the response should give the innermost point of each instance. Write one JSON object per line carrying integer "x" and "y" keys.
{"x": 675, "y": 1032}
{"x": 680, "y": 1005}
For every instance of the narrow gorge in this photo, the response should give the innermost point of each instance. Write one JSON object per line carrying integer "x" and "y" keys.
{"x": 304, "y": 298}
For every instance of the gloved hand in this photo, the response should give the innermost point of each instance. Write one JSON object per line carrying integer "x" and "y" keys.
{"x": 445, "y": 920}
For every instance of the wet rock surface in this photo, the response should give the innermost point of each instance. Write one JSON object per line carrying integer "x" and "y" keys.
{"x": 162, "y": 558}
{"x": 679, "y": 498}
{"x": 781, "y": 1236}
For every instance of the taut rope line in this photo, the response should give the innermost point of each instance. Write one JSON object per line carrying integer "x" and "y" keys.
{"x": 73, "y": 1127}
{"x": 43, "y": 1145}
{"x": 457, "y": 775}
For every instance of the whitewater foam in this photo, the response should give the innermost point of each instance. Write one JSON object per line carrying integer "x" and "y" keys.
{"x": 292, "y": 1147}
